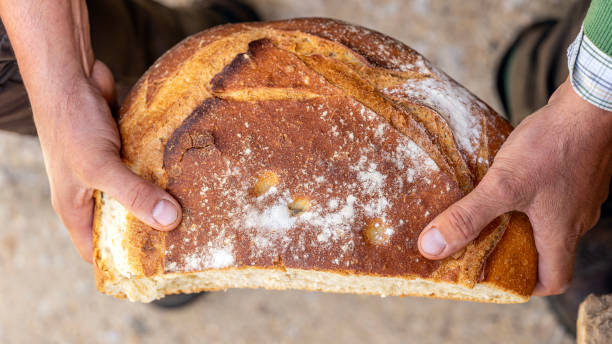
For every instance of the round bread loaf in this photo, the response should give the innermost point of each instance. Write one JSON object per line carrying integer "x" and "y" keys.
{"x": 306, "y": 154}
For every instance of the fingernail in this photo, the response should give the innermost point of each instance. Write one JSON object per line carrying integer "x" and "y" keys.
{"x": 433, "y": 242}
{"x": 165, "y": 213}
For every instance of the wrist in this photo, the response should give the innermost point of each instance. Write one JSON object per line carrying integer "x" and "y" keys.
{"x": 54, "y": 105}
{"x": 582, "y": 116}
{"x": 44, "y": 82}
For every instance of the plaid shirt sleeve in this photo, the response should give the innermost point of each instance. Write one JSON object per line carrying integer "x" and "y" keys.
{"x": 590, "y": 72}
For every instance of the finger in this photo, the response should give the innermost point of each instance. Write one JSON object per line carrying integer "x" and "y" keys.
{"x": 145, "y": 200}
{"x": 461, "y": 223}
{"x": 75, "y": 209}
{"x": 556, "y": 252}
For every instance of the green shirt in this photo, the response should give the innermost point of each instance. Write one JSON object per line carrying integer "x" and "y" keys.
{"x": 598, "y": 25}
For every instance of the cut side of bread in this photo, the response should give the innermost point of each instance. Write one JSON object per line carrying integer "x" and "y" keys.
{"x": 120, "y": 279}
{"x": 306, "y": 154}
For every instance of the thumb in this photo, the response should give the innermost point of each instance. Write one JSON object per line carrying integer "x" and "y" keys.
{"x": 145, "y": 200}
{"x": 461, "y": 223}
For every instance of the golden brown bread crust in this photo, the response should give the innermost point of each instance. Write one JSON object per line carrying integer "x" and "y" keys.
{"x": 347, "y": 66}
{"x": 512, "y": 265}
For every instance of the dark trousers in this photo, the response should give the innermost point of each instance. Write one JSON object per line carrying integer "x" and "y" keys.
{"x": 128, "y": 36}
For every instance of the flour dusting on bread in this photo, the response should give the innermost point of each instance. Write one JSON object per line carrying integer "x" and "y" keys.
{"x": 354, "y": 174}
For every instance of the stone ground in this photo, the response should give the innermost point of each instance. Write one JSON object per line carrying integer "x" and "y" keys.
{"x": 47, "y": 294}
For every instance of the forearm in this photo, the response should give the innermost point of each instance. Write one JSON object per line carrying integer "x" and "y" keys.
{"x": 51, "y": 42}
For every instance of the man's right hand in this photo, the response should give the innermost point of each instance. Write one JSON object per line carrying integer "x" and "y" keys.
{"x": 556, "y": 168}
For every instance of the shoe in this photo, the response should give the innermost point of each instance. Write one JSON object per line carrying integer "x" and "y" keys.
{"x": 176, "y": 301}
{"x": 205, "y": 14}
{"x": 235, "y": 11}
{"x": 517, "y": 73}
